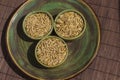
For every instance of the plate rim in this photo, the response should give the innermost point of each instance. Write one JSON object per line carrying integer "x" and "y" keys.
{"x": 38, "y": 78}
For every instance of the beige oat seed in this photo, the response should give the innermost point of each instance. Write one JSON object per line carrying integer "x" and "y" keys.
{"x": 69, "y": 24}
{"x": 51, "y": 51}
{"x": 37, "y": 24}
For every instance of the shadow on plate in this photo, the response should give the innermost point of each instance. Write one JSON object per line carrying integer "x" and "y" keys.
{"x": 21, "y": 33}
{"x": 5, "y": 50}
{"x": 31, "y": 56}
{"x": 30, "y": 52}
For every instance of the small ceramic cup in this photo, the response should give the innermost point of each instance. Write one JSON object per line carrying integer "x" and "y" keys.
{"x": 38, "y": 24}
{"x": 51, "y": 51}
{"x": 70, "y": 24}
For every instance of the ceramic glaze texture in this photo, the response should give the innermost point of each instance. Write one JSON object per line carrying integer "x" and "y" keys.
{"x": 81, "y": 51}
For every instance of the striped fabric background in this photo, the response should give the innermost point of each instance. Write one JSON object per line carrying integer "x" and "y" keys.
{"x": 106, "y": 65}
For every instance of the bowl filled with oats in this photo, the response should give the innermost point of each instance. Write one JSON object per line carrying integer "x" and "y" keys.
{"x": 70, "y": 24}
{"x": 51, "y": 51}
{"x": 38, "y": 24}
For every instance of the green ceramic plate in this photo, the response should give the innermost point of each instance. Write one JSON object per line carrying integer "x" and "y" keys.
{"x": 81, "y": 51}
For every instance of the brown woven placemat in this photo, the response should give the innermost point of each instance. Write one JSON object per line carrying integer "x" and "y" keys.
{"x": 106, "y": 65}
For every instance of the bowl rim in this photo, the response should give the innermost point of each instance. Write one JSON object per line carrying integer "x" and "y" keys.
{"x": 45, "y": 39}
{"x": 34, "y": 12}
{"x": 70, "y": 10}
{"x": 86, "y": 66}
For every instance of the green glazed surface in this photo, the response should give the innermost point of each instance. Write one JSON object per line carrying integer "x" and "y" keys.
{"x": 81, "y": 51}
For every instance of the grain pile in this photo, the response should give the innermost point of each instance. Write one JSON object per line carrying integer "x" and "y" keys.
{"x": 37, "y": 25}
{"x": 51, "y": 51}
{"x": 69, "y": 24}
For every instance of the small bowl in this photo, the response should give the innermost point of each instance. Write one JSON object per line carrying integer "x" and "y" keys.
{"x": 38, "y": 24}
{"x": 51, "y": 51}
{"x": 70, "y": 24}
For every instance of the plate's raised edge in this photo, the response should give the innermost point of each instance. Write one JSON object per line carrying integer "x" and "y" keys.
{"x": 7, "y": 41}
{"x": 98, "y": 44}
